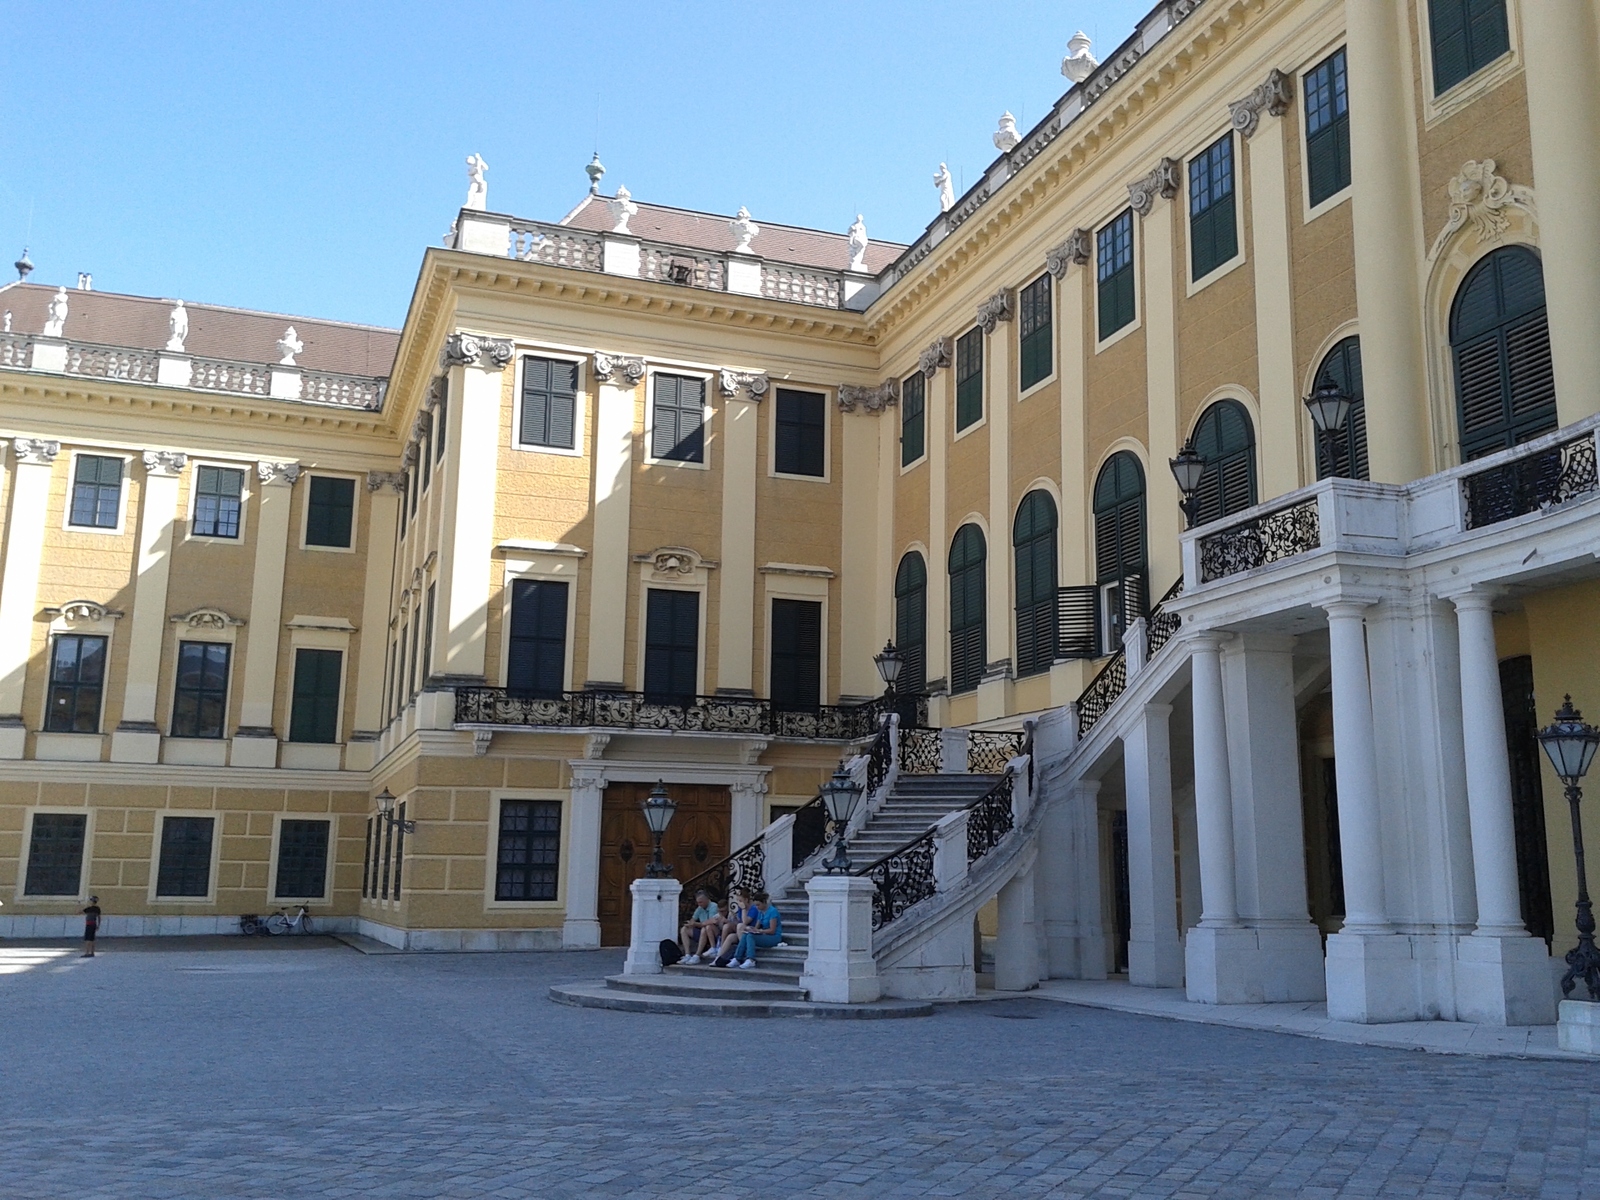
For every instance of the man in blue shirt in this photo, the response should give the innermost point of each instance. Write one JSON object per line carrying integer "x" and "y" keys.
{"x": 693, "y": 937}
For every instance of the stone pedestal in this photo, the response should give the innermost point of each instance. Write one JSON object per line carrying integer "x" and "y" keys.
{"x": 839, "y": 967}
{"x": 1254, "y": 964}
{"x": 1016, "y": 951}
{"x": 1371, "y": 978}
{"x": 1504, "y": 981}
{"x": 1578, "y": 1029}
{"x": 655, "y": 919}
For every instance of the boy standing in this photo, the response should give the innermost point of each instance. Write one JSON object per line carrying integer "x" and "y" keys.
{"x": 91, "y": 925}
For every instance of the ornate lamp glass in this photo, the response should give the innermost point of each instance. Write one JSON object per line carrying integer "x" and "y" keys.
{"x": 1188, "y": 468}
{"x": 385, "y": 801}
{"x": 658, "y": 811}
{"x": 1570, "y": 742}
{"x": 1329, "y": 406}
{"x": 888, "y": 661}
{"x": 840, "y": 795}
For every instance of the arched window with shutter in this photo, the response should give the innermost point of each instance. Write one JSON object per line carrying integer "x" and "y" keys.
{"x": 1033, "y": 542}
{"x": 911, "y": 623}
{"x": 1119, "y": 550}
{"x": 1344, "y": 454}
{"x": 1226, "y": 440}
{"x": 967, "y": 649}
{"x": 1500, "y": 340}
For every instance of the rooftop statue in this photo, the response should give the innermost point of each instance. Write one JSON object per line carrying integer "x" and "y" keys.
{"x": 623, "y": 209}
{"x": 744, "y": 230}
{"x": 858, "y": 245}
{"x": 288, "y": 346}
{"x": 177, "y": 327}
{"x": 1079, "y": 64}
{"x": 57, "y": 320}
{"x": 1007, "y": 137}
{"x": 477, "y": 186}
{"x": 947, "y": 194}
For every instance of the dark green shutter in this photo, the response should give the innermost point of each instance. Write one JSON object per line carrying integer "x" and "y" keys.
{"x": 314, "y": 714}
{"x": 1225, "y": 438}
{"x": 537, "y": 655}
{"x": 1033, "y": 331}
{"x": 332, "y": 508}
{"x": 1114, "y": 274}
{"x": 549, "y": 402}
{"x": 969, "y": 378}
{"x": 913, "y": 393}
{"x": 800, "y": 426}
{"x": 911, "y": 622}
{"x": 1344, "y": 454}
{"x": 678, "y": 418}
{"x": 1033, "y": 540}
{"x": 1213, "y": 231}
{"x": 967, "y": 648}
{"x": 672, "y": 646}
{"x": 1327, "y": 128}
{"x": 796, "y": 653}
{"x": 1500, "y": 337}
{"x": 1467, "y": 36}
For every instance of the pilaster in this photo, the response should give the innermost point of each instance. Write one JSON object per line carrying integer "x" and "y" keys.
{"x": 617, "y": 378}
{"x": 935, "y": 366}
{"x": 736, "y": 583}
{"x": 1161, "y": 384}
{"x": 255, "y": 742}
{"x": 19, "y": 586}
{"x": 581, "y": 929}
{"x": 995, "y": 318}
{"x": 384, "y": 491}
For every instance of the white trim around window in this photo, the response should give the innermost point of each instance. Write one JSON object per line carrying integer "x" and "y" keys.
{"x": 192, "y": 472}
{"x": 162, "y": 818}
{"x": 497, "y": 797}
{"x": 1240, "y": 257}
{"x": 580, "y": 402}
{"x": 650, "y": 416}
{"x": 122, "y": 495}
{"x": 829, "y": 396}
{"x": 81, "y": 896}
{"x": 322, "y": 897}
{"x": 547, "y": 567}
{"x": 355, "y": 508}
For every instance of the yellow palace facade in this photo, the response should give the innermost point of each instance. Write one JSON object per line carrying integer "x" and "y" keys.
{"x": 637, "y": 495}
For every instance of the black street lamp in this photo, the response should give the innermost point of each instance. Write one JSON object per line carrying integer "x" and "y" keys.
{"x": 385, "y": 801}
{"x": 1187, "y": 469}
{"x": 658, "y": 810}
{"x": 1571, "y": 742}
{"x": 1329, "y": 406}
{"x": 840, "y": 794}
{"x": 888, "y": 661}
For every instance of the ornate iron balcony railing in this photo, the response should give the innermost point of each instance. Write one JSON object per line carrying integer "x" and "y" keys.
{"x": 1540, "y": 480}
{"x": 988, "y": 753}
{"x": 990, "y": 818}
{"x": 1260, "y": 540}
{"x": 901, "y": 878}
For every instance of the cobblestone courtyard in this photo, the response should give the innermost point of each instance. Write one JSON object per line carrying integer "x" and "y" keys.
{"x": 262, "y": 1071}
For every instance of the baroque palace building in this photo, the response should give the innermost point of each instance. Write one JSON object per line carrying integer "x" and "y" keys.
{"x": 637, "y": 495}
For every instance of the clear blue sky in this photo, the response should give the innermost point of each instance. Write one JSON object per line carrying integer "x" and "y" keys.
{"x": 299, "y": 157}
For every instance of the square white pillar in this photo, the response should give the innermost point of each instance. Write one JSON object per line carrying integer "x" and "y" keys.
{"x": 839, "y": 966}
{"x": 655, "y": 919}
{"x": 1016, "y": 950}
{"x": 1155, "y": 958}
{"x": 581, "y": 929}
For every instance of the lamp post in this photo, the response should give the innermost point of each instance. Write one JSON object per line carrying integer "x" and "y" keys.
{"x": 658, "y": 810}
{"x": 840, "y": 795}
{"x": 1570, "y": 743}
{"x": 385, "y": 801}
{"x": 888, "y": 661}
{"x": 1187, "y": 468}
{"x": 1329, "y": 406}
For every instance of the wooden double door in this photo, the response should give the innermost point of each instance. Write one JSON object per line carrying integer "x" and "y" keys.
{"x": 696, "y": 839}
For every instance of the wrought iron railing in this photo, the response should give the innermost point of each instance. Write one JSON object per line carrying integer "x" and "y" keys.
{"x": 1102, "y": 692}
{"x": 1260, "y": 540}
{"x": 811, "y": 829}
{"x": 989, "y": 818}
{"x": 745, "y": 867}
{"x": 698, "y": 714}
{"x": 1160, "y": 625}
{"x": 111, "y": 362}
{"x": 901, "y": 878}
{"x": 1532, "y": 483}
{"x": 919, "y": 751}
{"x": 879, "y": 758}
{"x": 989, "y": 752}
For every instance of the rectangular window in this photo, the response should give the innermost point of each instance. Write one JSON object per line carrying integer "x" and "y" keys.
{"x": 427, "y": 634}
{"x": 302, "y": 860}
{"x": 425, "y": 451}
{"x": 331, "y": 510}
{"x": 1033, "y": 327}
{"x": 366, "y": 863}
{"x": 218, "y": 492}
{"x": 913, "y": 393}
{"x": 96, "y": 492}
{"x": 55, "y": 854}
{"x": 416, "y": 642}
{"x": 394, "y": 675}
{"x": 1113, "y": 264}
{"x": 388, "y": 853}
{"x": 796, "y": 653}
{"x": 200, "y": 701}
{"x": 1327, "y": 128}
{"x": 969, "y": 378}
{"x": 529, "y": 854}
{"x": 400, "y": 669}
{"x": 399, "y": 845}
{"x": 314, "y": 713}
{"x": 672, "y": 646}
{"x": 413, "y": 492}
{"x": 1467, "y": 36}
{"x": 185, "y": 867}
{"x": 536, "y": 659}
{"x": 549, "y": 402}
{"x": 1213, "y": 232}
{"x": 77, "y": 677}
{"x": 678, "y": 419}
{"x": 439, "y": 426}
{"x": 801, "y": 430}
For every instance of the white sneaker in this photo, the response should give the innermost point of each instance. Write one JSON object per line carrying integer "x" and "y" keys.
{"x": 783, "y": 945}
{"x": 691, "y": 960}
{"x": 748, "y": 963}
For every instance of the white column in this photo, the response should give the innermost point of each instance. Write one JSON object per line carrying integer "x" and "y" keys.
{"x": 655, "y": 920}
{"x": 936, "y": 426}
{"x": 383, "y": 514}
{"x": 745, "y": 821}
{"x": 613, "y": 479}
{"x": 1388, "y": 245}
{"x": 736, "y": 587}
{"x": 1161, "y": 375}
{"x": 136, "y": 738}
{"x": 1016, "y": 950}
{"x": 255, "y": 741}
{"x": 1213, "y": 788}
{"x": 1269, "y": 218}
{"x": 1562, "y": 52}
{"x": 1356, "y": 771}
{"x": 467, "y": 528}
{"x": 1494, "y": 838}
{"x": 581, "y": 929}
{"x": 19, "y": 586}
{"x": 1155, "y": 959}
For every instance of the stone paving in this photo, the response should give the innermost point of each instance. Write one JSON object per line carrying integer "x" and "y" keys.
{"x": 307, "y": 1069}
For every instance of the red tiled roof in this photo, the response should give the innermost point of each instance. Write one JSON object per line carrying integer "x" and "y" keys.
{"x": 140, "y": 322}
{"x": 707, "y": 231}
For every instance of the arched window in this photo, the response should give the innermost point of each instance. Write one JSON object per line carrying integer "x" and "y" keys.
{"x": 967, "y": 650}
{"x": 1344, "y": 454}
{"x": 1505, "y": 390}
{"x": 1033, "y": 541}
{"x": 1225, "y": 439}
{"x": 911, "y": 623}
{"x": 1119, "y": 555}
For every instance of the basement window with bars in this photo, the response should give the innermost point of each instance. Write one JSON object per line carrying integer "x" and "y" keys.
{"x": 528, "y": 857}
{"x": 1213, "y": 229}
{"x": 302, "y": 860}
{"x": 969, "y": 379}
{"x": 1033, "y": 327}
{"x": 913, "y": 418}
{"x": 677, "y": 419}
{"x": 185, "y": 866}
{"x": 1113, "y": 264}
{"x": 1327, "y": 128}
{"x": 55, "y": 854}
{"x": 549, "y": 403}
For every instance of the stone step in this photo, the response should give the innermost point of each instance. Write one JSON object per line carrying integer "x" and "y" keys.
{"x": 726, "y": 986}
{"x": 598, "y": 995}
{"x": 771, "y": 970}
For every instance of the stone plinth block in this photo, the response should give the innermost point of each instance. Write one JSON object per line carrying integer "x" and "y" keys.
{"x": 655, "y": 919}
{"x": 1578, "y": 1027}
{"x": 1504, "y": 981}
{"x": 1372, "y": 978}
{"x": 839, "y": 967}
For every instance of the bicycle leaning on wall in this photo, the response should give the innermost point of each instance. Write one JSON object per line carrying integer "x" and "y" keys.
{"x": 279, "y": 922}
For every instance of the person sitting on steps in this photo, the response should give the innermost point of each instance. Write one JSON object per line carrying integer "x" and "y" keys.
{"x": 742, "y": 920}
{"x": 766, "y": 932}
{"x": 692, "y": 937}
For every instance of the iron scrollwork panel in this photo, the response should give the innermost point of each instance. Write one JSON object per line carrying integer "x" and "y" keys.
{"x": 990, "y": 819}
{"x": 988, "y": 753}
{"x": 1259, "y": 541}
{"x": 745, "y": 868}
{"x": 901, "y": 879}
{"x": 1102, "y": 692}
{"x": 1531, "y": 484}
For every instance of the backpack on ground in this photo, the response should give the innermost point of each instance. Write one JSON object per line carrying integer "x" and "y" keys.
{"x": 671, "y": 952}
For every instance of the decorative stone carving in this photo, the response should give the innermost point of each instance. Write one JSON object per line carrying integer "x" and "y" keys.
{"x": 872, "y": 399}
{"x": 1006, "y": 136}
{"x": 947, "y": 193}
{"x": 1073, "y": 251}
{"x": 480, "y": 741}
{"x": 498, "y": 352}
{"x": 460, "y": 350}
{"x": 1079, "y": 64}
{"x": 1162, "y": 180}
{"x": 207, "y": 618}
{"x": 744, "y": 230}
{"x": 393, "y": 480}
{"x": 594, "y": 744}
{"x": 477, "y": 186}
{"x": 408, "y": 456}
{"x": 177, "y": 327}
{"x": 164, "y": 462}
{"x": 438, "y": 391}
{"x": 56, "y": 322}
{"x": 607, "y": 366}
{"x": 673, "y": 561}
{"x": 1275, "y": 95}
{"x": 75, "y": 612}
{"x": 288, "y": 346}
{"x": 420, "y": 426}
{"x": 996, "y": 308}
{"x": 754, "y": 383}
{"x": 858, "y": 245}
{"x": 277, "y": 474}
{"x": 623, "y": 210}
{"x": 37, "y": 451}
{"x": 1479, "y": 195}
{"x": 936, "y": 356}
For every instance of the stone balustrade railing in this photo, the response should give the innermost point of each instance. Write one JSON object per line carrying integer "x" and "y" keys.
{"x": 219, "y": 375}
{"x": 111, "y": 362}
{"x": 16, "y": 350}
